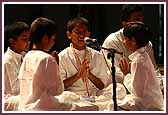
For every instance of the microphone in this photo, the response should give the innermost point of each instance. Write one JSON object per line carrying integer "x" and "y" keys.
{"x": 89, "y": 41}
{"x": 93, "y": 43}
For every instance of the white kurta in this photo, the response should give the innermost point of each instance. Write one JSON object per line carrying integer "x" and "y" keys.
{"x": 143, "y": 84}
{"x": 12, "y": 63}
{"x": 69, "y": 67}
{"x": 115, "y": 40}
{"x": 40, "y": 80}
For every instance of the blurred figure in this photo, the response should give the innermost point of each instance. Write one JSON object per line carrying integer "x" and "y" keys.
{"x": 129, "y": 13}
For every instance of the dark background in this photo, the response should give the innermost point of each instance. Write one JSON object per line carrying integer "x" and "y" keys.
{"x": 103, "y": 18}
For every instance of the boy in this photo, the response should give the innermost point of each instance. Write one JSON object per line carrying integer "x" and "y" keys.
{"x": 140, "y": 77}
{"x": 82, "y": 69}
{"x": 17, "y": 37}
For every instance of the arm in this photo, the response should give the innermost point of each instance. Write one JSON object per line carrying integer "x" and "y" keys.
{"x": 96, "y": 81}
{"x": 10, "y": 79}
{"x": 140, "y": 75}
{"x": 69, "y": 81}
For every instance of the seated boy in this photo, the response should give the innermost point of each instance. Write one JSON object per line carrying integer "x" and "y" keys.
{"x": 140, "y": 77}
{"x": 82, "y": 69}
{"x": 17, "y": 37}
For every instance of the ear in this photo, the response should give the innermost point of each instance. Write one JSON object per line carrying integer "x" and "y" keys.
{"x": 88, "y": 34}
{"x": 133, "y": 41}
{"x": 68, "y": 35}
{"x": 45, "y": 37}
{"x": 123, "y": 23}
{"x": 12, "y": 41}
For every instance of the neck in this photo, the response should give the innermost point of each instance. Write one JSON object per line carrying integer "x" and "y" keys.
{"x": 79, "y": 48}
{"x": 14, "y": 50}
{"x": 38, "y": 47}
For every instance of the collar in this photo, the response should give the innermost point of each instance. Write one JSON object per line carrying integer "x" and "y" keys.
{"x": 78, "y": 51}
{"x": 17, "y": 55}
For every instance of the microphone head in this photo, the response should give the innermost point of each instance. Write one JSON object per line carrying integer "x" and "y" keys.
{"x": 86, "y": 39}
{"x": 89, "y": 40}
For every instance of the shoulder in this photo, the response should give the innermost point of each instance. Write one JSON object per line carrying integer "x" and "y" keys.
{"x": 8, "y": 58}
{"x": 64, "y": 52}
{"x": 39, "y": 56}
{"x": 114, "y": 37}
{"x": 140, "y": 58}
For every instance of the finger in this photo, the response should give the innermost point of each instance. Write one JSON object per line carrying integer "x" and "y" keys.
{"x": 121, "y": 65}
{"x": 125, "y": 63}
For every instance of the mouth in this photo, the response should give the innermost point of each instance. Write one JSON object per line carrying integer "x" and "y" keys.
{"x": 81, "y": 40}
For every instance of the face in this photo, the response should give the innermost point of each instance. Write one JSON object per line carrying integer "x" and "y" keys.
{"x": 22, "y": 42}
{"x": 130, "y": 44}
{"x": 136, "y": 16}
{"x": 77, "y": 36}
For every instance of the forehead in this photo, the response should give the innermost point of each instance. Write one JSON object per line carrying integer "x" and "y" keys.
{"x": 24, "y": 34}
{"x": 135, "y": 15}
{"x": 81, "y": 26}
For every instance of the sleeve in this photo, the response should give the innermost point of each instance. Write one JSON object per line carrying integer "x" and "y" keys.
{"x": 62, "y": 70}
{"x": 51, "y": 77}
{"x": 136, "y": 82}
{"x": 99, "y": 69}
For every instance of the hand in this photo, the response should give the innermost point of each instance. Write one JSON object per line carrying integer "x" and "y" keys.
{"x": 55, "y": 54}
{"x": 84, "y": 68}
{"x": 125, "y": 66}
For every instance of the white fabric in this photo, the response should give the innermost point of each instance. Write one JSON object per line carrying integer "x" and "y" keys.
{"x": 12, "y": 63}
{"x": 68, "y": 67}
{"x": 115, "y": 40}
{"x": 103, "y": 101}
{"x": 11, "y": 102}
{"x": 143, "y": 84}
{"x": 39, "y": 76}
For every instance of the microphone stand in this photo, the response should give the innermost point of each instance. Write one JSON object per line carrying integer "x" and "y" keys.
{"x": 111, "y": 56}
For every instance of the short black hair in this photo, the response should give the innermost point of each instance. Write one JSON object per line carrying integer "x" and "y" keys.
{"x": 127, "y": 9}
{"x": 40, "y": 27}
{"x": 72, "y": 23}
{"x": 14, "y": 30}
{"x": 140, "y": 31}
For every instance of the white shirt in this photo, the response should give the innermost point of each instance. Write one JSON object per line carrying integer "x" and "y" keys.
{"x": 68, "y": 67}
{"x": 115, "y": 40}
{"x": 143, "y": 84}
{"x": 40, "y": 80}
{"x": 12, "y": 63}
